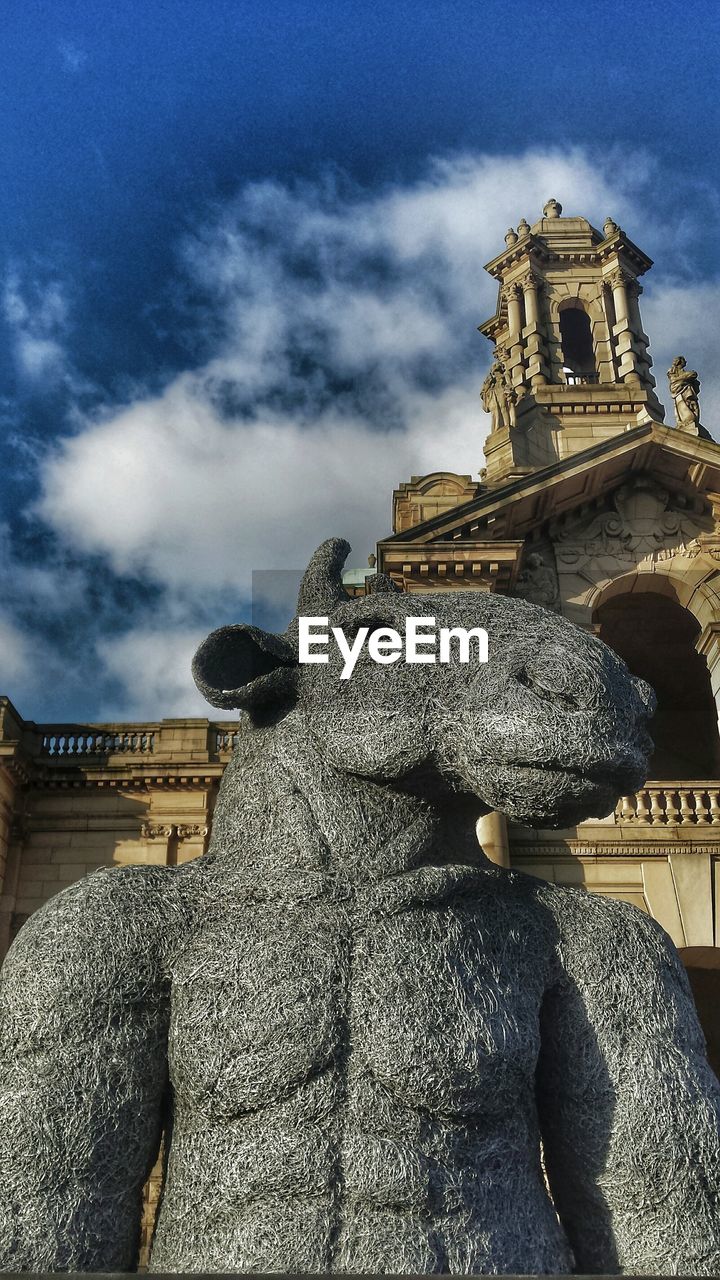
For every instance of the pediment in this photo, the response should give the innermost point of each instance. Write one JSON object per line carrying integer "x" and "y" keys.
{"x": 687, "y": 467}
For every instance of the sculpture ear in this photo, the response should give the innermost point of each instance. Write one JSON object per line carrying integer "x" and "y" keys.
{"x": 242, "y": 666}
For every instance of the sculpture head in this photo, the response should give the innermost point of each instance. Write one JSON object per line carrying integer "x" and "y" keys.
{"x": 550, "y": 730}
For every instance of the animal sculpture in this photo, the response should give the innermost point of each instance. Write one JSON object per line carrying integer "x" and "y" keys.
{"x": 362, "y": 1038}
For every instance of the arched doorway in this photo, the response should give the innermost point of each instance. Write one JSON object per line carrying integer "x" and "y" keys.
{"x": 656, "y": 637}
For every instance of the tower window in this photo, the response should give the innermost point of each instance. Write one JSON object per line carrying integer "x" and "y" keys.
{"x": 577, "y": 347}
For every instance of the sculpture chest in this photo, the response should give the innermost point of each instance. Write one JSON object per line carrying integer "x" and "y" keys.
{"x": 353, "y": 1081}
{"x": 437, "y": 1004}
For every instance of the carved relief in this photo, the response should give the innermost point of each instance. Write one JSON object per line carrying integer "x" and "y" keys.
{"x": 685, "y": 391}
{"x": 538, "y": 580}
{"x": 641, "y": 523}
{"x": 166, "y": 830}
{"x": 618, "y": 277}
{"x": 156, "y": 831}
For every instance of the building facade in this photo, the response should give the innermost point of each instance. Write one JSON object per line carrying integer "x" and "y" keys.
{"x": 592, "y": 505}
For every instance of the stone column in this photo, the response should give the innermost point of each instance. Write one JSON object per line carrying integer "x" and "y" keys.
{"x": 529, "y": 287}
{"x": 634, "y": 290}
{"x": 8, "y": 897}
{"x": 512, "y": 294}
{"x": 605, "y": 346}
{"x": 535, "y": 356}
{"x": 618, "y": 285}
{"x": 625, "y": 346}
{"x": 492, "y": 834}
{"x": 708, "y": 644}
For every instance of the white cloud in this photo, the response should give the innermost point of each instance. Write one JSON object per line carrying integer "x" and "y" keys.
{"x": 344, "y": 359}
{"x": 174, "y": 492}
{"x": 340, "y": 356}
{"x": 153, "y": 665}
{"x": 37, "y": 315}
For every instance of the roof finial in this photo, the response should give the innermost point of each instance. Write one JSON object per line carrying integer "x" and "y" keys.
{"x": 510, "y": 237}
{"x": 552, "y": 209}
{"x": 609, "y": 228}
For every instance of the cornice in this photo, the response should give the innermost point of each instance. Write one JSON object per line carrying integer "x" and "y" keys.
{"x": 658, "y": 847}
{"x": 147, "y": 779}
{"x": 637, "y": 443}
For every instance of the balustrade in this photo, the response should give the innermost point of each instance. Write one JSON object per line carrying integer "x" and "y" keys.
{"x": 162, "y": 739}
{"x": 672, "y": 804}
{"x": 224, "y": 738}
{"x": 66, "y": 741}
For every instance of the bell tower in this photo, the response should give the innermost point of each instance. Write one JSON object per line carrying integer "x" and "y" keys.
{"x": 571, "y": 365}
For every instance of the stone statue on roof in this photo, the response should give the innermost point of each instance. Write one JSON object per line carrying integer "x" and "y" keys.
{"x": 497, "y": 393}
{"x": 685, "y": 391}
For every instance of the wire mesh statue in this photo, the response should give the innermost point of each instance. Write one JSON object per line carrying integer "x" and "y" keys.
{"x": 354, "y": 1028}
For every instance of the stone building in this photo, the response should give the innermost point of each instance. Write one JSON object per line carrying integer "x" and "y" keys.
{"x": 590, "y": 504}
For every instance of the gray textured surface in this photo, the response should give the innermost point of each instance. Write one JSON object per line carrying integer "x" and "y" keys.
{"x": 368, "y": 1026}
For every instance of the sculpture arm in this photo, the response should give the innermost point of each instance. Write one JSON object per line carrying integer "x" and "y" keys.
{"x": 83, "y": 1026}
{"x": 629, "y": 1106}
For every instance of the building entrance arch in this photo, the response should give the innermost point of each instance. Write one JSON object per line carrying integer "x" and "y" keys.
{"x": 657, "y": 636}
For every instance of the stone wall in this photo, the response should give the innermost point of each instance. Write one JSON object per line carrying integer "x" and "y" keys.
{"x": 77, "y": 797}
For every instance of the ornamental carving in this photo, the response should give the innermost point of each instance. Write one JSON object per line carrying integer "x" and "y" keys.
{"x": 641, "y": 522}
{"x": 538, "y": 580}
{"x": 166, "y": 830}
{"x": 497, "y": 394}
{"x": 156, "y": 831}
{"x": 191, "y": 832}
{"x": 618, "y": 278}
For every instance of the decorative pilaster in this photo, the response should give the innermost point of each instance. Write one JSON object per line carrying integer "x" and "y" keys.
{"x": 512, "y": 295}
{"x": 535, "y": 355}
{"x": 642, "y": 342}
{"x": 625, "y": 349}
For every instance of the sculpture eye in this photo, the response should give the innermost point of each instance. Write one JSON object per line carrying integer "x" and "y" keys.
{"x": 547, "y": 692}
{"x": 373, "y": 624}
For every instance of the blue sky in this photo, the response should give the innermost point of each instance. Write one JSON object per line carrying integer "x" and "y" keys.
{"x": 242, "y": 272}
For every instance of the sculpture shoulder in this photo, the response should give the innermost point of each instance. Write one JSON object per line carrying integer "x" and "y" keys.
{"x": 582, "y": 916}
{"x": 601, "y": 941}
{"x": 592, "y": 933}
{"x": 103, "y": 938}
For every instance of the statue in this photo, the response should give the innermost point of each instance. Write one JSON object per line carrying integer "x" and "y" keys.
{"x": 538, "y": 582}
{"x": 497, "y": 393}
{"x": 355, "y": 1028}
{"x": 685, "y": 391}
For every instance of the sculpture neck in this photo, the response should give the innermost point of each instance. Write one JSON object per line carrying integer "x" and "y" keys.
{"x": 282, "y": 809}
